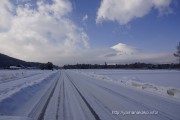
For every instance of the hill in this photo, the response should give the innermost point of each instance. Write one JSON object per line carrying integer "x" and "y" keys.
{"x": 6, "y": 61}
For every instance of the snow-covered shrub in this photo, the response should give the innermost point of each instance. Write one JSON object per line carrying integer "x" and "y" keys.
{"x": 170, "y": 92}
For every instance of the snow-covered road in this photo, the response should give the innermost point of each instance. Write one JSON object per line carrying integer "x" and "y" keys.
{"x": 79, "y": 97}
{"x": 74, "y": 96}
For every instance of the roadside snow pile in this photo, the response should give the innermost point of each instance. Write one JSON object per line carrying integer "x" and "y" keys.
{"x": 131, "y": 82}
{"x": 174, "y": 92}
{"x": 7, "y": 89}
{"x": 28, "y": 99}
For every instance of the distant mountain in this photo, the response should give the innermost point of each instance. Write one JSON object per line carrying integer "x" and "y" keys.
{"x": 6, "y": 61}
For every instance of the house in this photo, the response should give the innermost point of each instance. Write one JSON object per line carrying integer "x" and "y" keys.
{"x": 14, "y": 67}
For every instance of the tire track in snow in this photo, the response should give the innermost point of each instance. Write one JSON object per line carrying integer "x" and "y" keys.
{"x": 79, "y": 98}
{"x": 39, "y": 111}
{"x": 41, "y": 116}
{"x": 60, "y": 99}
{"x": 131, "y": 100}
{"x": 88, "y": 105}
{"x": 162, "y": 114}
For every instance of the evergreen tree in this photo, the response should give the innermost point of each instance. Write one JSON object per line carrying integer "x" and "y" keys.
{"x": 177, "y": 54}
{"x": 49, "y": 66}
{"x": 105, "y": 65}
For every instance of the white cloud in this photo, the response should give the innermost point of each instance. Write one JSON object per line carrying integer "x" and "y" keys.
{"x": 85, "y": 18}
{"x": 121, "y": 48}
{"x": 42, "y": 34}
{"x": 123, "y": 11}
{"x": 5, "y": 14}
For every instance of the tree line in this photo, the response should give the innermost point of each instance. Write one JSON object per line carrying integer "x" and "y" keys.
{"x": 136, "y": 65}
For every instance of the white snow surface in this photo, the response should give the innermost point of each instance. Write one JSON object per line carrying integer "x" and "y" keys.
{"x": 85, "y": 95}
{"x": 8, "y": 88}
{"x": 8, "y": 75}
{"x": 19, "y": 97}
{"x": 14, "y": 118}
{"x": 162, "y": 82}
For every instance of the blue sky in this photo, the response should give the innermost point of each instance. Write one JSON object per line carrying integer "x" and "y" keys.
{"x": 79, "y": 31}
{"x": 146, "y": 33}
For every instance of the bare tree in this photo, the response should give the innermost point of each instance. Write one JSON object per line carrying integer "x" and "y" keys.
{"x": 177, "y": 54}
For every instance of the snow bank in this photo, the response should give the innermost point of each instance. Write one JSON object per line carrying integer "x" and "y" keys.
{"x": 24, "y": 101}
{"x": 131, "y": 82}
{"x": 7, "y": 89}
{"x": 173, "y": 92}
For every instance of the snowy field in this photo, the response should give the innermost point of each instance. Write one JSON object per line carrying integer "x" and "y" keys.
{"x": 167, "y": 78}
{"x": 164, "y": 82}
{"x": 8, "y": 75}
{"x": 89, "y": 95}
